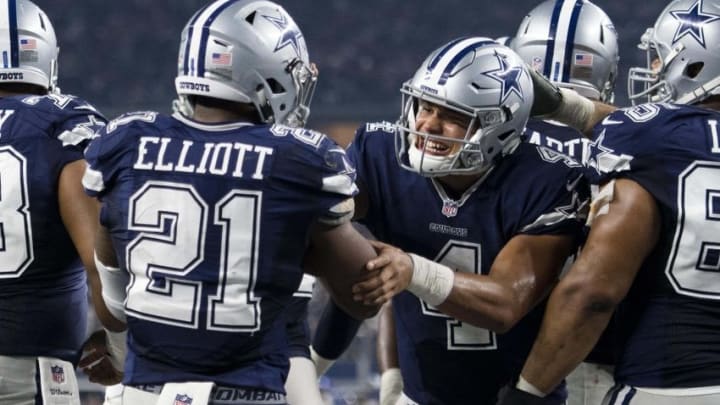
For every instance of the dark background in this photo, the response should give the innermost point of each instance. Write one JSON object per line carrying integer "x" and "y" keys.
{"x": 121, "y": 55}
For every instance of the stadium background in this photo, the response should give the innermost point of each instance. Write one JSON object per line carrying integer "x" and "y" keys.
{"x": 121, "y": 56}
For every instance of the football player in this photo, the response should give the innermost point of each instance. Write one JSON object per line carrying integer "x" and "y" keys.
{"x": 209, "y": 215}
{"x": 653, "y": 243}
{"x": 48, "y": 223}
{"x": 573, "y": 44}
{"x": 488, "y": 218}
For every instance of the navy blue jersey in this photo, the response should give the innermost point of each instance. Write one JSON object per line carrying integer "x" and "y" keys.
{"x": 212, "y": 223}
{"x": 297, "y": 319}
{"x": 557, "y": 137}
{"x": 43, "y": 302}
{"x": 444, "y": 361}
{"x": 670, "y": 321}
{"x": 568, "y": 141}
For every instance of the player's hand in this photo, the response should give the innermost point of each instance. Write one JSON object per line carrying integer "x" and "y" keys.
{"x": 95, "y": 361}
{"x": 547, "y": 97}
{"x": 392, "y": 272}
{"x": 511, "y": 395}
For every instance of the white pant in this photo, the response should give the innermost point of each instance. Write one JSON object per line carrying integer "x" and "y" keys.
{"x": 114, "y": 394}
{"x": 136, "y": 396}
{"x": 405, "y": 400}
{"x": 626, "y": 395}
{"x": 301, "y": 385}
{"x": 18, "y": 380}
{"x": 588, "y": 384}
{"x": 19, "y": 377}
{"x": 131, "y": 396}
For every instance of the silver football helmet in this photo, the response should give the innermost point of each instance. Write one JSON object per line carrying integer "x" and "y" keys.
{"x": 683, "y": 55}
{"x": 27, "y": 44}
{"x": 574, "y": 44}
{"x": 479, "y": 79}
{"x": 248, "y": 51}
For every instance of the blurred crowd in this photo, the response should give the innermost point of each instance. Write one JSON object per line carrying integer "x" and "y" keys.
{"x": 123, "y": 54}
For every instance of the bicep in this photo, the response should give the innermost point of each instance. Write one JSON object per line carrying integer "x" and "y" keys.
{"x": 338, "y": 255}
{"x": 620, "y": 239}
{"x": 530, "y": 265}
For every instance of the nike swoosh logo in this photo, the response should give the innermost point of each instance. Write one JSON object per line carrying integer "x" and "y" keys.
{"x": 572, "y": 184}
{"x": 608, "y": 121}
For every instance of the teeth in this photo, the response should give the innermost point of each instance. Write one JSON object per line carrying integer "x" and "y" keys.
{"x": 436, "y": 147}
{"x": 432, "y": 147}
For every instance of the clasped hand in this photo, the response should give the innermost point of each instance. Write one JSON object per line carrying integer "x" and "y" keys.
{"x": 389, "y": 274}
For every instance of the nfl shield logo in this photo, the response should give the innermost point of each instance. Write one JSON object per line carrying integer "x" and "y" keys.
{"x": 450, "y": 208}
{"x": 58, "y": 374}
{"x": 182, "y": 399}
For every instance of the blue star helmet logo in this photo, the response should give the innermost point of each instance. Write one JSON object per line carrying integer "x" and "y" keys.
{"x": 692, "y": 22}
{"x": 290, "y": 34}
{"x": 509, "y": 77}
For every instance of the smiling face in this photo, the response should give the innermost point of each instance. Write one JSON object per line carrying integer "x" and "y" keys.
{"x": 436, "y": 120}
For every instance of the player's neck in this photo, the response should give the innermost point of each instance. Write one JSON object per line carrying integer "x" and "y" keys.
{"x": 18, "y": 89}
{"x": 712, "y": 103}
{"x": 215, "y": 115}
{"x": 456, "y": 185}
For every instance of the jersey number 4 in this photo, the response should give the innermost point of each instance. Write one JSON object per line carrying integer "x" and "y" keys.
{"x": 462, "y": 256}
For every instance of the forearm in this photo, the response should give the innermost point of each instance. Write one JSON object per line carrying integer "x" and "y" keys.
{"x": 566, "y": 106}
{"x": 386, "y": 349}
{"x": 579, "y": 112}
{"x": 472, "y": 298}
{"x": 338, "y": 257}
{"x": 104, "y": 315}
{"x": 483, "y": 302}
{"x": 571, "y": 328}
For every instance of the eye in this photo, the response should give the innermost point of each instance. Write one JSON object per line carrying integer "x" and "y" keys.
{"x": 425, "y": 107}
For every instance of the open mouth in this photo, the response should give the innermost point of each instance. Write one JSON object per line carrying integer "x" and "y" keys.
{"x": 432, "y": 147}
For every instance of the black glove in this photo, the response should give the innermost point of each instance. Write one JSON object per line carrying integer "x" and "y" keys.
{"x": 547, "y": 95}
{"x": 510, "y": 395}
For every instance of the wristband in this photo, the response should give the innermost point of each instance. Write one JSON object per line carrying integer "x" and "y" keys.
{"x": 431, "y": 282}
{"x": 116, "y": 344}
{"x": 574, "y": 110}
{"x": 525, "y": 385}
{"x": 391, "y": 386}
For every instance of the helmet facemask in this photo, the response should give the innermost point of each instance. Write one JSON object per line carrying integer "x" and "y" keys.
{"x": 473, "y": 154}
{"x": 683, "y": 55}
{"x": 304, "y": 78}
{"x": 646, "y": 84}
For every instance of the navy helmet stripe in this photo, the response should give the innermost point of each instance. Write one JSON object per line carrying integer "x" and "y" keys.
{"x": 570, "y": 43}
{"x": 547, "y": 69}
{"x": 460, "y": 55}
{"x": 186, "y": 61}
{"x": 206, "y": 34}
{"x": 12, "y": 19}
{"x": 442, "y": 53}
